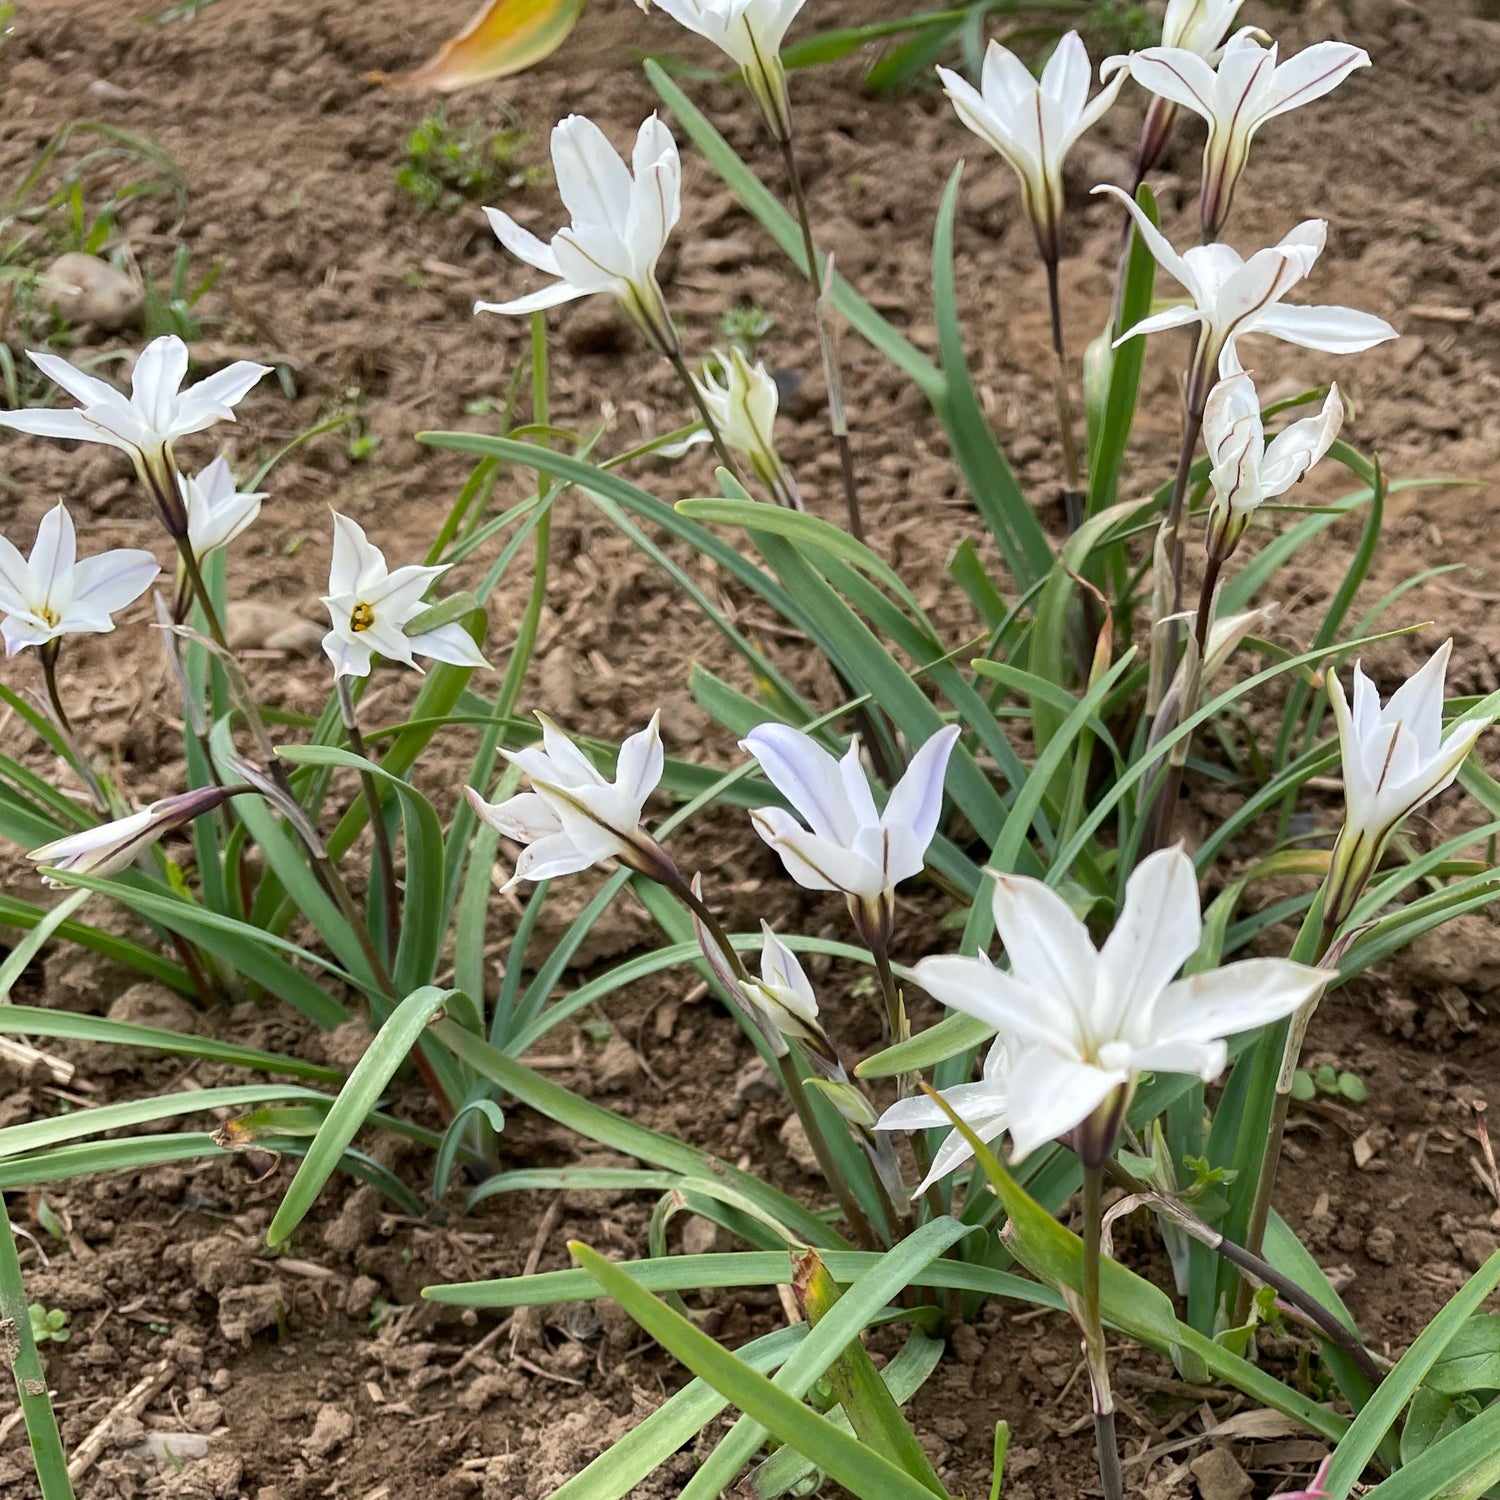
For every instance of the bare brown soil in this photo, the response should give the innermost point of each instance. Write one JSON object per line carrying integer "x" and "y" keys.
{"x": 321, "y": 1373}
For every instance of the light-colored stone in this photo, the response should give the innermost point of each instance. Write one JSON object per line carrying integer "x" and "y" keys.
{"x": 82, "y": 289}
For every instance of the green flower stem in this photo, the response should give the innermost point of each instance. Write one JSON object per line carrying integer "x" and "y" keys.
{"x": 1304, "y": 1305}
{"x": 1095, "y": 1352}
{"x": 827, "y": 344}
{"x": 1163, "y": 817}
{"x": 1265, "y": 1178}
{"x": 48, "y": 655}
{"x": 1066, "y": 423}
{"x": 25, "y": 1363}
{"x": 385, "y": 859}
{"x": 721, "y": 448}
{"x": 791, "y": 1080}
{"x": 899, "y": 1030}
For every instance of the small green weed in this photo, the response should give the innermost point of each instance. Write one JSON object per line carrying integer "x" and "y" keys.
{"x": 448, "y": 165}
{"x": 48, "y": 1325}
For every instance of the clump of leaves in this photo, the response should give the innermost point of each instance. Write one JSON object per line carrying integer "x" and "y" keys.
{"x": 745, "y": 325}
{"x": 447, "y": 165}
{"x": 1326, "y": 1079}
{"x": 48, "y": 1325}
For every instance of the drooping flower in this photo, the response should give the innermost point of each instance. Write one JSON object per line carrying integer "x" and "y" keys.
{"x": 147, "y": 422}
{"x": 622, "y": 217}
{"x": 111, "y": 847}
{"x": 1083, "y": 1024}
{"x": 1232, "y": 297}
{"x": 847, "y": 844}
{"x": 1032, "y": 124}
{"x": 53, "y": 594}
{"x": 1395, "y": 758}
{"x": 1247, "y": 89}
{"x": 217, "y": 512}
{"x": 1246, "y": 470}
{"x": 743, "y": 400}
{"x": 784, "y": 994}
{"x": 750, "y": 34}
{"x": 984, "y": 1107}
{"x": 573, "y": 817}
{"x": 370, "y": 607}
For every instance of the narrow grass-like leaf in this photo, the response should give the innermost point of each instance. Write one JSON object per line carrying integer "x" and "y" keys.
{"x": 1384, "y": 1408}
{"x": 1001, "y": 501}
{"x": 26, "y": 1020}
{"x": 356, "y": 1099}
{"x": 598, "y": 1124}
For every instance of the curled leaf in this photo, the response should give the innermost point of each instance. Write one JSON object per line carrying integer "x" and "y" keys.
{"x": 504, "y": 37}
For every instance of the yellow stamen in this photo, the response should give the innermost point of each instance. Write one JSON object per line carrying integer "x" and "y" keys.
{"x": 361, "y": 618}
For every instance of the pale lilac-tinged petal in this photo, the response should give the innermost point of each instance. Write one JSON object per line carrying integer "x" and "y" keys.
{"x": 1418, "y": 702}
{"x": 595, "y": 257}
{"x": 1359, "y": 792}
{"x": 1156, "y": 242}
{"x": 387, "y": 638}
{"x": 1255, "y": 287}
{"x": 589, "y": 833}
{"x": 1051, "y": 1094}
{"x": 817, "y": 864}
{"x": 1065, "y": 79}
{"x": 1198, "y": 24}
{"x": 856, "y": 785}
{"x": 107, "y": 583}
{"x": 1006, "y": 81}
{"x": 213, "y": 399}
{"x": 807, "y": 776}
{"x": 218, "y": 529}
{"x": 654, "y": 209}
{"x": 1015, "y": 138}
{"x": 71, "y": 426}
{"x": 1335, "y": 330}
{"x": 1443, "y": 770}
{"x": 1367, "y": 711}
{"x": 916, "y": 801}
{"x": 20, "y": 631}
{"x": 1205, "y": 1059}
{"x": 656, "y": 150}
{"x": 159, "y": 372}
{"x": 1050, "y": 950}
{"x": 1171, "y": 317}
{"x": 1178, "y": 75}
{"x": 592, "y": 179}
{"x": 1018, "y": 1011}
{"x": 567, "y": 765}
{"x": 525, "y": 817}
{"x": 702, "y": 20}
{"x": 522, "y": 243}
{"x": 352, "y": 555}
{"x": 52, "y": 558}
{"x": 1293, "y": 452}
{"x": 548, "y": 858}
{"x": 398, "y": 594}
{"x": 350, "y": 658}
{"x": 1313, "y": 72}
{"x": 104, "y": 850}
{"x": 87, "y": 390}
{"x": 1239, "y": 997}
{"x": 1156, "y": 932}
{"x": 449, "y": 643}
{"x": 1231, "y": 416}
{"x": 956, "y": 1151}
{"x": 15, "y": 578}
{"x": 781, "y": 970}
{"x": 639, "y": 768}
{"x": 549, "y": 296}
